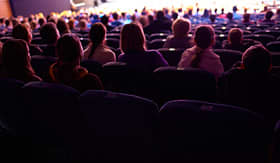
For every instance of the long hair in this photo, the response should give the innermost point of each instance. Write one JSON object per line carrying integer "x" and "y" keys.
{"x": 132, "y": 38}
{"x": 21, "y": 31}
{"x": 97, "y": 36}
{"x": 204, "y": 38}
{"x": 69, "y": 49}
{"x": 16, "y": 59}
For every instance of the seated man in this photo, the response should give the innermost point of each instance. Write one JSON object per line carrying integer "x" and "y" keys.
{"x": 235, "y": 41}
{"x": 251, "y": 85}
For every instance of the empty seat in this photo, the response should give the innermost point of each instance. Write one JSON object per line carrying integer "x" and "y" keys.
{"x": 273, "y": 46}
{"x": 37, "y": 41}
{"x": 263, "y": 38}
{"x": 172, "y": 84}
{"x": 41, "y": 65}
{"x": 123, "y": 125}
{"x": 92, "y": 66}
{"x": 228, "y": 57}
{"x": 274, "y": 33}
{"x": 194, "y": 131}
{"x": 112, "y": 42}
{"x": 158, "y": 36}
{"x": 54, "y": 123}
{"x": 118, "y": 77}
{"x": 113, "y": 35}
{"x": 85, "y": 42}
{"x": 156, "y": 44}
{"x": 172, "y": 56}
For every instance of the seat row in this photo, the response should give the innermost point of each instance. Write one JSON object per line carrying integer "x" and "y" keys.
{"x": 51, "y": 122}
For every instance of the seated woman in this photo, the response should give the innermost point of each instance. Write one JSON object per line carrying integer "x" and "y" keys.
{"x": 16, "y": 61}
{"x": 67, "y": 69}
{"x": 180, "y": 38}
{"x": 202, "y": 55}
{"x": 134, "y": 50}
{"x": 50, "y": 35}
{"x": 22, "y": 31}
{"x": 97, "y": 50}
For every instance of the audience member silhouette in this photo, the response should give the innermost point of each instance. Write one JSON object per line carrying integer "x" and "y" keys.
{"x": 22, "y": 31}
{"x": 180, "y": 38}
{"x": 67, "y": 69}
{"x": 16, "y": 61}
{"x": 97, "y": 49}
{"x": 201, "y": 55}
{"x": 134, "y": 50}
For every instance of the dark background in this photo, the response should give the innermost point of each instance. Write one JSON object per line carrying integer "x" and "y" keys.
{"x": 27, "y": 7}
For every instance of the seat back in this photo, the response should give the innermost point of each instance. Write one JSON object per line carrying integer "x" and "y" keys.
{"x": 124, "y": 125}
{"x": 194, "y": 131}
{"x": 41, "y": 65}
{"x": 172, "y": 83}
{"x": 228, "y": 57}
{"x": 172, "y": 56}
{"x": 156, "y": 44}
{"x": 273, "y": 46}
{"x": 54, "y": 122}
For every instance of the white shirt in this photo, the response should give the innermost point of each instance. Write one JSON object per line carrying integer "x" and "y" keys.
{"x": 102, "y": 54}
{"x": 209, "y": 60}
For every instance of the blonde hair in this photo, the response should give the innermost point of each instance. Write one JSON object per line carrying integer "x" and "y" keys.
{"x": 181, "y": 27}
{"x": 132, "y": 38}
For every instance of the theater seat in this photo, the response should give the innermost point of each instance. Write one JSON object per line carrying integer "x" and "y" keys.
{"x": 156, "y": 44}
{"x": 92, "y": 66}
{"x": 118, "y": 77}
{"x": 158, "y": 36}
{"x": 276, "y": 156}
{"x": 55, "y": 125}
{"x": 273, "y": 46}
{"x": 228, "y": 57}
{"x": 41, "y": 65}
{"x": 112, "y": 42}
{"x": 195, "y": 131}
{"x": 263, "y": 38}
{"x": 172, "y": 56}
{"x": 124, "y": 125}
{"x": 172, "y": 84}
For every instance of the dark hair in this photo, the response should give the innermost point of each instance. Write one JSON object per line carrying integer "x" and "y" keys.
{"x": 204, "y": 38}
{"x": 21, "y": 31}
{"x": 174, "y": 15}
{"x": 16, "y": 59}
{"x": 42, "y": 21}
{"x": 115, "y": 16}
{"x": 160, "y": 15}
{"x": 257, "y": 59}
{"x": 104, "y": 20}
{"x": 49, "y": 33}
{"x": 62, "y": 27}
{"x": 246, "y": 18}
{"x": 212, "y": 18}
{"x": 132, "y": 38}
{"x": 7, "y": 22}
{"x": 230, "y": 16}
{"x": 269, "y": 15}
{"x": 235, "y": 36}
{"x": 97, "y": 35}
{"x": 69, "y": 49}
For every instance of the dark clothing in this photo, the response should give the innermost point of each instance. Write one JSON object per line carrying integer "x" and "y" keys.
{"x": 145, "y": 61}
{"x": 158, "y": 26}
{"x": 35, "y": 50}
{"x": 77, "y": 78}
{"x": 254, "y": 91}
{"x": 50, "y": 51}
